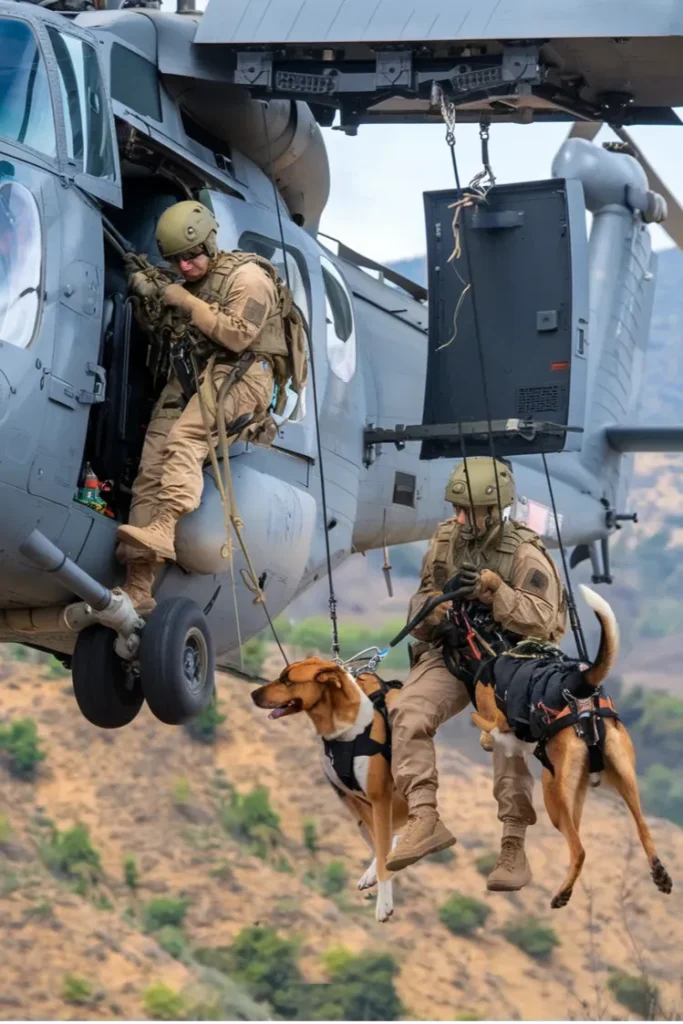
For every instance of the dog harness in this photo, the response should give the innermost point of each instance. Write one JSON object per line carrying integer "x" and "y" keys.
{"x": 341, "y": 753}
{"x": 541, "y": 691}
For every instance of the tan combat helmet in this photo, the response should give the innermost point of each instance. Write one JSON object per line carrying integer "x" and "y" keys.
{"x": 482, "y": 484}
{"x": 185, "y": 227}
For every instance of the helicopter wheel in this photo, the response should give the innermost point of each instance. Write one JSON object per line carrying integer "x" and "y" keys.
{"x": 176, "y": 661}
{"x": 107, "y": 692}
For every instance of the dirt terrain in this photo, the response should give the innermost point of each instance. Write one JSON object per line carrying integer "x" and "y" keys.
{"x": 152, "y": 792}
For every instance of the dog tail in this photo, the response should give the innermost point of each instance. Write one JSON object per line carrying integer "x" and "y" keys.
{"x": 609, "y": 637}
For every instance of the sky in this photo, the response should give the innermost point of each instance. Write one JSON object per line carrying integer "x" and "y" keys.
{"x": 379, "y": 176}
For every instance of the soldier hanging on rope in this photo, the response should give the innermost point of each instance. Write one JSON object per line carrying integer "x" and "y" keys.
{"x": 225, "y": 340}
{"x": 503, "y": 568}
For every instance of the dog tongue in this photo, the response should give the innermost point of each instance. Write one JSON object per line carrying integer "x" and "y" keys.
{"x": 280, "y": 712}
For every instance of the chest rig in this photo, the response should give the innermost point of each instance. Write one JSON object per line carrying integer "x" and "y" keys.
{"x": 495, "y": 551}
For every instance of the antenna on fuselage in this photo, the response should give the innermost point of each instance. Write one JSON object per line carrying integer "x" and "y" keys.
{"x": 186, "y": 7}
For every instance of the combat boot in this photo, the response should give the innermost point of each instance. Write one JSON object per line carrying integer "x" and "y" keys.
{"x": 512, "y": 872}
{"x": 157, "y": 538}
{"x": 425, "y": 833}
{"x": 139, "y": 579}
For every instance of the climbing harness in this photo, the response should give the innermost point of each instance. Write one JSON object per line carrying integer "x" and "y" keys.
{"x": 332, "y": 600}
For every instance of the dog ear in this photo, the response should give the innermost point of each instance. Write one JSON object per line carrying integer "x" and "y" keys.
{"x": 332, "y": 676}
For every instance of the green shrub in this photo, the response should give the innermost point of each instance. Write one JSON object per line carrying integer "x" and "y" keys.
{"x": 72, "y": 854}
{"x": 56, "y": 670}
{"x": 336, "y": 958}
{"x": 486, "y": 863}
{"x": 76, "y": 990}
{"x": 162, "y": 1003}
{"x": 334, "y": 878}
{"x": 662, "y": 793}
{"x": 130, "y": 872}
{"x": 5, "y": 829}
{"x": 362, "y": 988}
{"x": 254, "y": 653}
{"x": 310, "y": 835}
{"x": 637, "y": 994}
{"x": 163, "y": 911}
{"x": 532, "y": 936}
{"x": 260, "y": 959}
{"x": 181, "y": 794}
{"x": 172, "y": 941}
{"x": 204, "y": 726}
{"x": 20, "y": 742}
{"x": 250, "y": 819}
{"x": 462, "y": 914}
{"x": 446, "y": 856}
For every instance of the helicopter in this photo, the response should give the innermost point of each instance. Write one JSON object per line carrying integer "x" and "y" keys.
{"x": 113, "y": 110}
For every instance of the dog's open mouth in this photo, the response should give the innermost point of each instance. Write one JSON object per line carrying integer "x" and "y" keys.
{"x": 292, "y": 707}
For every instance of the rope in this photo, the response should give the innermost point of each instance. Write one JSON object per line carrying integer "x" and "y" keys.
{"x": 574, "y": 619}
{"x": 332, "y": 600}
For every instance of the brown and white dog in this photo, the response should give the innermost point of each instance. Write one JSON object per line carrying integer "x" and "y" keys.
{"x": 340, "y": 708}
{"x": 564, "y": 791}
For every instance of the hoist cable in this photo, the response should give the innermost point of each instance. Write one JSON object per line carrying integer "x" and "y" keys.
{"x": 332, "y": 600}
{"x": 574, "y": 619}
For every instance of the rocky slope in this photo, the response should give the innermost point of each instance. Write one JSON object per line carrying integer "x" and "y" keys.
{"x": 152, "y": 793}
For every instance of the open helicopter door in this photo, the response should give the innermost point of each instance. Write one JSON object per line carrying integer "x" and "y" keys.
{"x": 508, "y": 319}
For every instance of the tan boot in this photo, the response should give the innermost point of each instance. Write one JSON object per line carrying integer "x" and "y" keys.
{"x": 139, "y": 580}
{"x": 425, "y": 833}
{"x": 157, "y": 538}
{"x": 512, "y": 872}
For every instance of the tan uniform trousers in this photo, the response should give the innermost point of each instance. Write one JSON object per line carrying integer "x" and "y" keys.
{"x": 176, "y": 446}
{"x": 429, "y": 697}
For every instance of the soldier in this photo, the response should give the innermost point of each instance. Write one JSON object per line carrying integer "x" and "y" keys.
{"x": 520, "y": 584}
{"x": 241, "y": 315}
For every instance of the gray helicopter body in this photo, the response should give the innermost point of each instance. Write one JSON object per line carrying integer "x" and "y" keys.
{"x": 120, "y": 113}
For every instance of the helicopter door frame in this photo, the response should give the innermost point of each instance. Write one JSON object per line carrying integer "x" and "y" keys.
{"x": 71, "y": 104}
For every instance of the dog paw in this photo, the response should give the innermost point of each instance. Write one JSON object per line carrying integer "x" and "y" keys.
{"x": 384, "y": 907}
{"x": 369, "y": 878}
{"x": 561, "y": 899}
{"x": 661, "y": 877}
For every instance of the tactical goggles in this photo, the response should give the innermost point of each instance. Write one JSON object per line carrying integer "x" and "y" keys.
{"x": 191, "y": 254}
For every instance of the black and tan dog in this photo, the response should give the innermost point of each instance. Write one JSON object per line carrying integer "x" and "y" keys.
{"x": 349, "y": 715}
{"x": 566, "y": 755}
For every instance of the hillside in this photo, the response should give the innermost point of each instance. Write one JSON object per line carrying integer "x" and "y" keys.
{"x": 153, "y": 795}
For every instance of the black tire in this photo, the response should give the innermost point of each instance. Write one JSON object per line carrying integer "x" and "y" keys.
{"x": 106, "y": 691}
{"x": 176, "y": 661}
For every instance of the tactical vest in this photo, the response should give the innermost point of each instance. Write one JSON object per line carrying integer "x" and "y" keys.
{"x": 498, "y": 554}
{"x": 282, "y": 337}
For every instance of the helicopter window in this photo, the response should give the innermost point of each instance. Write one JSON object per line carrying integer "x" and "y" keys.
{"x": 85, "y": 108}
{"x": 25, "y": 107}
{"x": 134, "y": 82}
{"x": 21, "y": 259}
{"x": 270, "y": 250}
{"x": 341, "y": 334}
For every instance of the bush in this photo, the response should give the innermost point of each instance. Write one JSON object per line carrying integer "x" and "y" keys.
{"x": 130, "y": 872}
{"x": 56, "y": 670}
{"x": 254, "y": 654}
{"x": 362, "y": 988}
{"x": 310, "y": 835}
{"x": 76, "y": 990}
{"x": 5, "y": 829}
{"x": 204, "y": 726}
{"x": 72, "y": 854}
{"x": 637, "y": 994}
{"x": 20, "y": 741}
{"x": 662, "y": 793}
{"x": 532, "y": 936}
{"x": 260, "y": 959}
{"x": 336, "y": 958}
{"x": 486, "y": 863}
{"x": 446, "y": 856}
{"x": 172, "y": 941}
{"x": 163, "y": 911}
{"x": 180, "y": 793}
{"x": 334, "y": 878}
{"x": 162, "y": 1003}
{"x": 250, "y": 818}
{"x": 462, "y": 914}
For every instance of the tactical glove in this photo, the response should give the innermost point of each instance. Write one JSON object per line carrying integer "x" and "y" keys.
{"x": 142, "y": 285}
{"x": 446, "y": 633}
{"x": 465, "y": 581}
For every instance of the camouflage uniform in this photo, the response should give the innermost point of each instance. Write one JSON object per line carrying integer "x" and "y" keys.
{"x": 528, "y": 601}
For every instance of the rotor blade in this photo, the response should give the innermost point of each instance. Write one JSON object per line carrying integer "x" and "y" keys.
{"x": 585, "y": 130}
{"x": 673, "y": 225}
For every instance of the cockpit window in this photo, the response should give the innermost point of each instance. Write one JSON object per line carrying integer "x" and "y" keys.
{"x": 26, "y": 116}
{"x": 88, "y": 135}
{"x": 21, "y": 258}
{"x": 341, "y": 333}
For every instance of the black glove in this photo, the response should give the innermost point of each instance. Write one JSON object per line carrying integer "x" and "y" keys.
{"x": 446, "y": 633}
{"x": 465, "y": 581}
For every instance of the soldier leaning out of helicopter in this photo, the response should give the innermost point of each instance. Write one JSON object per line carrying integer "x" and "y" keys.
{"x": 243, "y": 327}
{"x": 518, "y": 592}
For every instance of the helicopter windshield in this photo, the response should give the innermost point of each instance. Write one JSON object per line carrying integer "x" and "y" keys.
{"x": 26, "y": 116}
{"x": 20, "y": 264}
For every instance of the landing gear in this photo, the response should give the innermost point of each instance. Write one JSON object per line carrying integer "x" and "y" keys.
{"x": 107, "y": 690}
{"x": 176, "y": 661}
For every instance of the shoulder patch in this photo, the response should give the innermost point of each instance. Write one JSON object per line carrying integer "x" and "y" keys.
{"x": 536, "y": 581}
{"x": 254, "y": 312}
